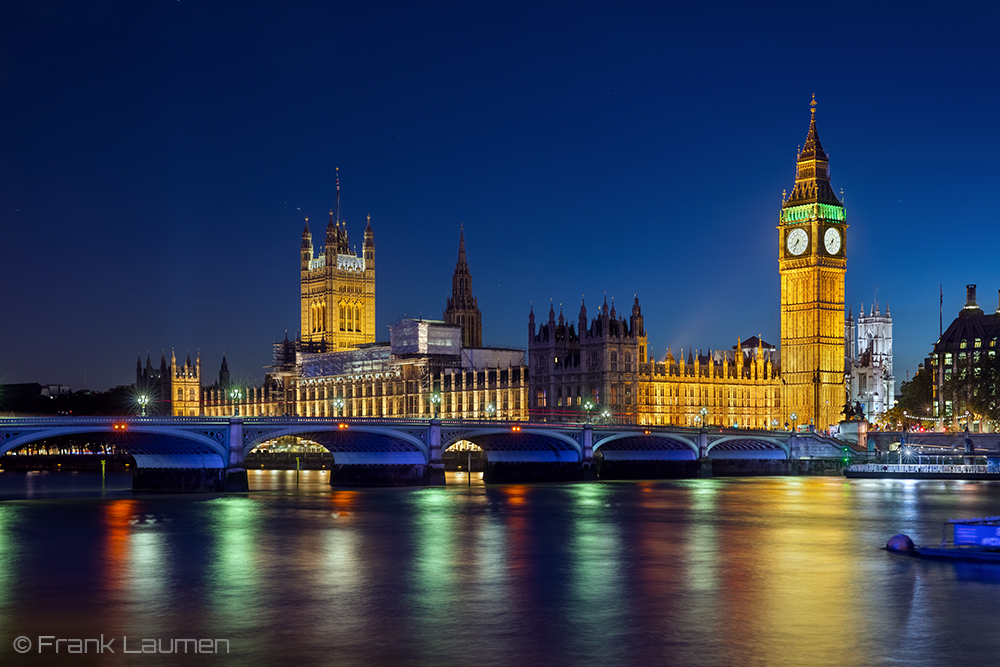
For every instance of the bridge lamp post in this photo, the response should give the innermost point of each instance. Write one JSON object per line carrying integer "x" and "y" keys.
{"x": 236, "y": 395}
{"x": 588, "y": 406}
{"x": 795, "y": 418}
{"x": 338, "y": 405}
{"x": 491, "y": 410}
{"x": 704, "y": 415}
{"x": 774, "y": 424}
{"x": 606, "y": 414}
{"x": 143, "y": 401}
{"x": 436, "y": 402}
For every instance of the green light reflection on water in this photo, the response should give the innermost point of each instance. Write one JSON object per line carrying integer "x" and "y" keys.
{"x": 148, "y": 570}
{"x": 434, "y": 595}
{"x": 435, "y": 541}
{"x": 703, "y": 535}
{"x": 10, "y": 518}
{"x": 599, "y": 570}
{"x": 235, "y": 523}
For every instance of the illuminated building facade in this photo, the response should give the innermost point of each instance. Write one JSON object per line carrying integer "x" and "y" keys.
{"x": 812, "y": 262}
{"x": 404, "y": 378}
{"x": 604, "y": 362}
{"x": 737, "y": 388}
{"x": 185, "y": 387}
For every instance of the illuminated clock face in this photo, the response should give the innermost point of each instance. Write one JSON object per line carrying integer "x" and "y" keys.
{"x": 797, "y": 241}
{"x": 832, "y": 241}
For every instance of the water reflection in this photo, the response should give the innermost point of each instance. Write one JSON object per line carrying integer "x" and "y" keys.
{"x": 597, "y": 604}
{"x": 235, "y": 593}
{"x": 766, "y": 571}
{"x": 10, "y": 548}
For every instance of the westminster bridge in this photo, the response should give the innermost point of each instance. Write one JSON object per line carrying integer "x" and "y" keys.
{"x": 209, "y": 453}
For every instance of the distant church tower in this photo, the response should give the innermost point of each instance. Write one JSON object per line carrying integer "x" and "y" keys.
{"x": 812, "y": 262}
{"x": 337, "y": 288}
{"x": 870, "y": 379}
{"x": 463, "y": 308}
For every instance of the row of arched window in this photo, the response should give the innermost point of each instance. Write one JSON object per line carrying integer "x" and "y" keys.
{"x": 350, "y": 318}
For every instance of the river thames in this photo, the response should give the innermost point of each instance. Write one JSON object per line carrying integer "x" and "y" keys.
{"x": 735, "y": 571}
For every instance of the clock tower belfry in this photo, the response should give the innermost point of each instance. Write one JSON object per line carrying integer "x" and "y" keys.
{"x": 812, "y": 262}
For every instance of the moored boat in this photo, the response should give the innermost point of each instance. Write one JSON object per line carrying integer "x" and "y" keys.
{"x": 921, "y": 471}
{"x": 971, "y": 540}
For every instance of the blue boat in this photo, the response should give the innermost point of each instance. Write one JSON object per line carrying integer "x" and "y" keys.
{"x": 971, "y": 540}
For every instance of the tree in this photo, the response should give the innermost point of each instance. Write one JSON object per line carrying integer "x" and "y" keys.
{"x": 915, "y": 400}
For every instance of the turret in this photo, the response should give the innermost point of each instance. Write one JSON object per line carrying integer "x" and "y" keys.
{"x": 224, "y": 375}
{"x": 636, "y": 322}
{"x": 307, "y": 247}
{"x": 369, "y": 246}
{"x": 582, "y": 319}
{"x": 330, "y": 249}
{"x": 531, "y": 324}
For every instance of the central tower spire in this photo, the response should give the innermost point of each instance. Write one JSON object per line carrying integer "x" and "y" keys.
{"x": 462, "y": 307}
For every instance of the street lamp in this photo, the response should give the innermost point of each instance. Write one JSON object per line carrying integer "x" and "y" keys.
{"x": 774, "y": 424}
{"x": 338, "y": 405}
{"x": 795, "y": 418}
{"x": 704, "y": 413}
{"x": 436, "y": 402}
{"x": 143, "y": 401}
{"x": 588, "y": 406}
{"x": 236, "y": 395}
{"x": 606, "y": 414}
{"x": 490, "y": 410}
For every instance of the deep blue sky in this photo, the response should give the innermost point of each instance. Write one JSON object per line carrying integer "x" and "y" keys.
{"x": 157, "y": 159}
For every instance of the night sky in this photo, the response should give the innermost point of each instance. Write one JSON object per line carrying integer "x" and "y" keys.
{"x": 157, "y": 159}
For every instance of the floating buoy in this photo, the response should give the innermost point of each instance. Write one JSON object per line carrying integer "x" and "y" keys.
{"x": 900, "y": 543}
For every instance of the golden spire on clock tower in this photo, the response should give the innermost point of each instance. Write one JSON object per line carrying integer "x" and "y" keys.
{"x": 812, "y": 264}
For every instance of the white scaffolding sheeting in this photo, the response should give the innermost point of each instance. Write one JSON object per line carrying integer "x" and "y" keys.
{"x": 425, "y": 337}
{"x": 368, "y": 359}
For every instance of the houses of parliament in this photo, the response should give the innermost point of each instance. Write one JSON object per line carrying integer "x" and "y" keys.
{"x": 590, "y": 368}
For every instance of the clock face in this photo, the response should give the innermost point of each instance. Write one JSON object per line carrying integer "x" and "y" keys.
{"x": 832, "y": 240}
{"x": 797, "y": 241}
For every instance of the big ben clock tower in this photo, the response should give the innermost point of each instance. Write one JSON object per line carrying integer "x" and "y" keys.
{"x": 812, "y": 262}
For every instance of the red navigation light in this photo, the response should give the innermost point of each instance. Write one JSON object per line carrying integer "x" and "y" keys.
{"x": 120, "y": 427}
{"x": 646, "y": 432}
{"x": 341, "y": 426}
{"x": 515, "y": 429}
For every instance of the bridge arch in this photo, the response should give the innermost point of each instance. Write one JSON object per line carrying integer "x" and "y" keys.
{"x": 172, "y": 447}
{"x": 650, "y": 446}
{"x": 747, "y": 446}
{"x": 521, "y": 446}
{"x": 356, "y": 444}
